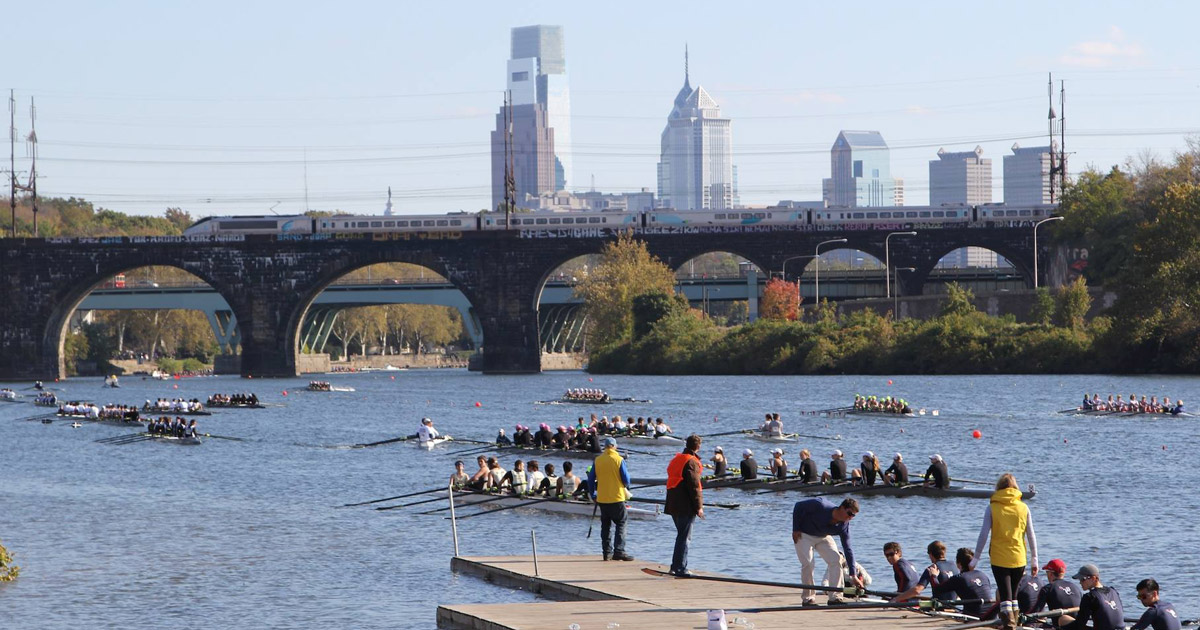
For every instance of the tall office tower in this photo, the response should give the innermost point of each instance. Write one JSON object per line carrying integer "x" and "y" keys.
{"x": 960, "y": 177}
{"x": 537, "y": 74}
{"x": 1027, "y": 175}
{"x": 861, "y": 173}
{"x": 695, "y": 171}
{"x": 532, "y": 146}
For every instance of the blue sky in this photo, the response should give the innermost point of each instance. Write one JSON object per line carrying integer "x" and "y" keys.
{"x": 218, "y": 107}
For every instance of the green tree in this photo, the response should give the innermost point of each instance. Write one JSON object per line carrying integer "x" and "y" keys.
{"x": 1042, "y": 310}
{"x": 626, "y": 270}
{"x": 8, "y": 570}
{"x": 650, "y": 308}
{"x": 1072, "y": 304}
{"x": 959, "y": 301}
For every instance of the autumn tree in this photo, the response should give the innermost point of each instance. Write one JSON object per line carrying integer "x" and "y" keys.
{"x": 780, "y": 300}
{"x": 625, "y": 271}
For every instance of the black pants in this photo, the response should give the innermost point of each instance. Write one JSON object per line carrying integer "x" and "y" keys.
{"x": 1007, "y": 580}
{"x": 612, "y": 514}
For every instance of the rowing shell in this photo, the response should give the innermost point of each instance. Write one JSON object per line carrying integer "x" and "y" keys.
{"x": 548, "y": 453}
{"x": 174, "y": 412}
{"x": 237, "y": 405}
{"x": 1126, "y": 414}
{"x": 112, "y": 422}
{"x": 429, "y": 444}
{"x": 755, "y": 434}
{"x": 863, "y": 412}
{"x": 642, "y": 439}
{"x": 171, "y": 439}
{"x": 881, "y": 490}
{"x": 578, "y": 508}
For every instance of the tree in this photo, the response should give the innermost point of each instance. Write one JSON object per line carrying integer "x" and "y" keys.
{"x": 1072, "y": 304}
{"x": 650, "y": 308}
{"x": 1042, "y": 310}
{"x": 626, "y": 270}
{"x": 178, "y": 218}
{"x": 780, "y": 300}
{"x": 958, "y": 301}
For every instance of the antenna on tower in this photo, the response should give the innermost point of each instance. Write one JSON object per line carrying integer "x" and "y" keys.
{"x": 510, "y": 181}
{"x": 33, "y": 151}
{"x": 685, "y": 63}
{"x": 306, "y": 179}
{"x": 1058, "y": 159}
{"x": 12, "y": 159}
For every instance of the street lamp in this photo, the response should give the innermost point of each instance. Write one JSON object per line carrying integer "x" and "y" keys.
{"x": 896, "y": 299}
{"x": 887, "y": 258}
{"x": 785, "y": 262}
{"x": 1035, "y": 247}
{"x": 817, "y": 255}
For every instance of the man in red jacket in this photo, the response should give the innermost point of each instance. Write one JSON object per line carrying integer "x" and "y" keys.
{"x": 685, "y": 500}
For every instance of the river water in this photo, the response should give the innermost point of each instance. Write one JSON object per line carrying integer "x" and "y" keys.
{"x": 248, "y": 534}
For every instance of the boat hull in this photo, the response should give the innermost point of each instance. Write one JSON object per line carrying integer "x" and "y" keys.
{"x": 576, "y": 508}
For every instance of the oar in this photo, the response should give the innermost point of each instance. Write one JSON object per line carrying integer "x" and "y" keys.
{"x": 474, "y": 442}
{"x": 728, "y": 506}
{"x": 398, "y": 439}
{"x": 403, "y": 505}
{"x": 818, "y": 437}
{"x": 733, "y": 580}
{"x": 399, "y": 496}
{"x": 501, "y": 509}
{"x": 738, "y": 432}
{"x": 222, "y": 437}
{"x": 592, "y": 520}
{"x": 982, "y": 483}
{"x": 442, "y": 509}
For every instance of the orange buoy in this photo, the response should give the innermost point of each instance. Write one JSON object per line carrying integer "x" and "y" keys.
{"x": 285, "y": 392}
{"x": 478, "y": 404}
{"x": 889, "y": 381}
{"x": 976, "y": 434}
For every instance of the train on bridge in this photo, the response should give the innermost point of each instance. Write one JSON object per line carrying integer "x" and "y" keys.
{"x": 898, "y": 217}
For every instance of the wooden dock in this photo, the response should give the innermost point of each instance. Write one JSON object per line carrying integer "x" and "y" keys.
{"x": 604, "y": 593}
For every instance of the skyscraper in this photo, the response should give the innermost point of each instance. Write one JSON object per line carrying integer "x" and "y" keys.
{"x": 532, "y": 145}
{"x": 861, "y": 172}
{"x": 960, "y": 177}
{"x": 1027, "y": 175}
{"x": 537, "y": 73}
{"x": 695, "y": 170}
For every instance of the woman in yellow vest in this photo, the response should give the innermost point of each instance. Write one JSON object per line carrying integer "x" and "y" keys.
{"x": 1008, "y": 521}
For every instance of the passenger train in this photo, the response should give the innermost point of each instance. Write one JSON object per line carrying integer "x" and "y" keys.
{"x": 859, "y": 218}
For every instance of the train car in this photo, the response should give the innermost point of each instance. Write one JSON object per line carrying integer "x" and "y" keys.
{"x": 273, "y": 224}
{"x": 358, "y": 224}
{"x": 758, "y": 216}
{"x": 1004, "y": 212}
{"x": 545, "y": 219}
{"x": 914, "y": 215}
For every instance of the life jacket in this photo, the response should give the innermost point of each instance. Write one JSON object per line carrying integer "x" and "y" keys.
{"x": 518, "y": 481}
{"x": 1010, "y": 517}
{"x": 675, "y": 468}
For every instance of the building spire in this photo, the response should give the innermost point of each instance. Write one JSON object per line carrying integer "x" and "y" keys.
{"x": 685, "y": 64}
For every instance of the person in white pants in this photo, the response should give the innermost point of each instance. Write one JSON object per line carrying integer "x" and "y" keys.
{"x": 814, "y": 522}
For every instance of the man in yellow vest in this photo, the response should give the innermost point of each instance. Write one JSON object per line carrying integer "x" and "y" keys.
{"x": 609, "y": 482}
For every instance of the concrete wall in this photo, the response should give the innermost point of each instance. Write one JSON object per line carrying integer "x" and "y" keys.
{"x": 1016, "y": 303}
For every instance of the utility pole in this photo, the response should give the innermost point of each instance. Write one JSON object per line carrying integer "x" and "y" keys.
{"x": 1058, "y": 161}
{"x": 12, "y": 158}
{"x": 510, "y": 180}
{"x": 33, "y": 151}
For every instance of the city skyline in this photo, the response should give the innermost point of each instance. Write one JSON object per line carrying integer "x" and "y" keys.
{"x": 300, "y": 109}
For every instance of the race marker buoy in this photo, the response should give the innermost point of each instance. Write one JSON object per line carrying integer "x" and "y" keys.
{"x": 889, "y": 381}
{"x": 175, "y": 386}
{"x": 285, "y": 392}
{"x": 976, "y": 434}
{"x": 589, "y": 379}
{"x": 393, "y": 378}
{"x": 478, "y": 404}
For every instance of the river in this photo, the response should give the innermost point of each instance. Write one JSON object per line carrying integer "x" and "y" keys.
{"x": 247, "y": 534}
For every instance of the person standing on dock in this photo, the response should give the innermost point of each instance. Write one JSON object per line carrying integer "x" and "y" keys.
{"x": 814, "y": 522}
{"x": 1008, "y": 521}
{"x": 609, "y": 482}
{"x": 685, "y": 500}
{"x": 1159, "y": 615}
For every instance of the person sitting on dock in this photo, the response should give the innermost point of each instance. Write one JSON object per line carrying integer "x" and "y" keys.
{"x": 749, "y": 466}
{"x": 1159, "y": 615}
{"x": 1100, "y": 604}
{"x": 719, "y": 463}
{"x": 778, "y": 464}
{"x": 936, "y": 551}
{"x": 897, "y": 473}
{"x": 460, "y": 478}
{"x": 808, "y": 468}
{"x": 902, "y": 569}
{"x": 837, "y": 469}
{"x": 1058, "y": 592}
{"x": 969, "y": 584}
{"x": 814, "y": 522}
{"x": 427, "y": 433}
{"x": 937, "y": 475}
{"x": 503, "y": 440}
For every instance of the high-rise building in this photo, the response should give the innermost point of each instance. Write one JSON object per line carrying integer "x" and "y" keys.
{"x": 537, "y": 74}
{"x": 532, "y": 147}
{"x": 861, "y": 172}
{"x": 695, "y": 171}
{"x": 1027, "y": 175}
{"x": 962, "y": 177}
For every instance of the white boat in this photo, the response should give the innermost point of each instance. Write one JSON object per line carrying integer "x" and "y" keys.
{"x": 642, "y": 439}
{"x": 429, "y": 444}
{"x": 762, "y": 437}
{"x": 160, "y": 375}
{"x": 579, "y": 508}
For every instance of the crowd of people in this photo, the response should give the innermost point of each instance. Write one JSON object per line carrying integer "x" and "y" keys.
{"x": 585, "y": 394}
{"x": 177, "y": 405}
{"x": 887, "y": 404}
{"x": 231, "y": 400}
{"x": 46, "y": 399}
{"x": 584, "y": 435}
{"x": 525, "y": 479}
{"x": 1133, "y": 405}
{"x": 173, "y": 427}
{"x": 320, "y": 386}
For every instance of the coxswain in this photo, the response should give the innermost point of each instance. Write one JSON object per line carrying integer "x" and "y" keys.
{"x": 808, "y": 468}
{"x": 191, "y": 430}
{"x": 719, "y": 463}
{"x": 902, "y": 569}
{"x": 460, "y": 478}
{"x": 969, "y": 584}
{"x": 936, "y": 551}
{"x": 1159, "y": 615}
{"x": 837, "y": 469}
{"x": 1058, "y": 592}
{"x": 897, "y": 475}
{"x": 749, "y": 466}
{"x": 1100, "y": 604}
{"x": 937, "y": 476}
{"x": 778, "y": 465}
{"x": 503, "y": 440}
{"x": 427, "y": 433}
{"x": 1178, "y": 408}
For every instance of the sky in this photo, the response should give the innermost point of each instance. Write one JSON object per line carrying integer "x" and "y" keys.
{"x": 252, "y": 107}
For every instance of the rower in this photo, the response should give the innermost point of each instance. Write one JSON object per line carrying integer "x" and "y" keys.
{"x": 661, "y": 428}
{"x": 749, "y": 466}
{"x": 778, "y": 464}
{"x": 774, "y": 426}
{"x": 719, "y": 463}
{"x": 1058, "y": 592}
{"x": 478, "y": 481}
{"x": 549, "y": 484}
{"x": 1178, "y": 408}
{"x": 544, "y": 438}
{"x": 868, "y": 470}
{"x": 937, "y": 476}
{"x": 1159, "y": 615}
{"x": 495, "y": 474}
{"x": 502, "y": 440}
{"x": 561, "y": 440}
{"x": 535, "y": 476}
{"x": 191, "y": 430}
{"x": 460, "y": 478}
{"x": 516, "y": 479}
{"x": 427, "y": 433}
{"x": 902, "y": 569}
{"x": 968, "y": 584}
{"x": 897, "y": 475}
{"x": 1100, "y": 604}
{"x": 808, "y": 468}
{"x": 837, "y": 469}
{"x": 569, "y": 483}
{"x": 936, "y": 551}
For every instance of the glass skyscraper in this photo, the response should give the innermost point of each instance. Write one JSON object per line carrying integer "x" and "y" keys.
{"x": 861, "y": 172}
{"x": 537, "y": 75}
{"x": 695, "y": 171}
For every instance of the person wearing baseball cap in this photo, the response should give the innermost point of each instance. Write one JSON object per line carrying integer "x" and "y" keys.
{"x": 1159, "y": 615}
{"x": 837, "y": 469}
{"x": 720, "y": 465}
{"x": 1058, "y": 592}
{"x": 749, "y": 466}
{"x": 937, "y": 475}
{"x": 778, "y": 464}
{"x": 897, "y": 473}
{"x": 869, "y": 469}
{"x": 1100, "y": 604}
{"x": 503, "y": 440}
{"x": 608, "y": 480}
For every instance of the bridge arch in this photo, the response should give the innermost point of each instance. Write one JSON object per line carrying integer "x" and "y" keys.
{"x": 917, "y": 282}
